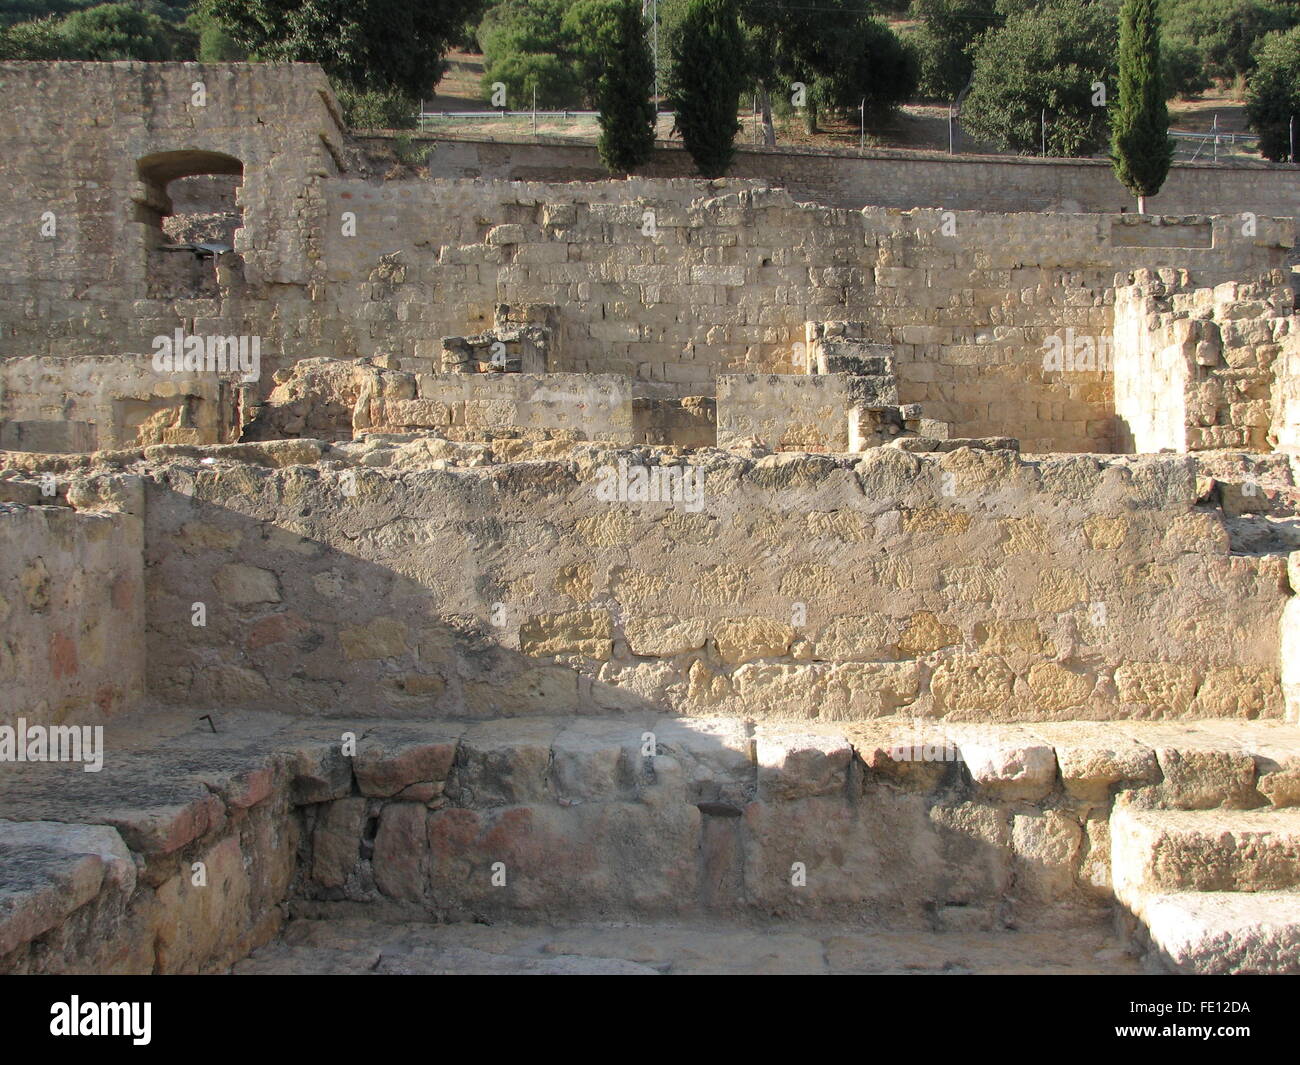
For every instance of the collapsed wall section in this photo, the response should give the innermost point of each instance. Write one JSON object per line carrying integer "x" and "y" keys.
{"x": 969, "y": 585}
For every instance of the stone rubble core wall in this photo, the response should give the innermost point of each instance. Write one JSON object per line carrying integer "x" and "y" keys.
{"x": 110, "y": 402}
{"x": 969, "y": 585}
{"x": 902, "y": 179}
{"x": 71, "y": 609}
{"x": 1195, "y": 368}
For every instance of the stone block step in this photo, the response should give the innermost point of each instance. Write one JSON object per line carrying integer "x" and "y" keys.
{"x": 1205, "y": 850}
{"x": 1226, "y": 932}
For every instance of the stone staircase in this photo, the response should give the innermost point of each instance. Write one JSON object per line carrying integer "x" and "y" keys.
{"x": 1215, "y": 891}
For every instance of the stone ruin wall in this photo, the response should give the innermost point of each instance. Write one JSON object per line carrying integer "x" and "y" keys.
{"x": 72, "y": 606}
{"x": 971, "y": 585}
{"x": 1205, "y": 368}
{"x": 725, "y": 284}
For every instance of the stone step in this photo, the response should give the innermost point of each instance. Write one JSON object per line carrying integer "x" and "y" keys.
{"x": 947, "y": 826}
{"x": 1225, "y": 932}
{"x": 1159, "y": 851}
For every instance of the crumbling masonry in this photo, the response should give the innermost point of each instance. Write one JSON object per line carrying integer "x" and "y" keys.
{"x": 659, "y": 549}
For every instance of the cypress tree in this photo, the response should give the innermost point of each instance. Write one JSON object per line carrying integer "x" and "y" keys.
{"x": 623, "y": 95}
{"x": 708, "y": 74}
{"x": 1141, "y": 148}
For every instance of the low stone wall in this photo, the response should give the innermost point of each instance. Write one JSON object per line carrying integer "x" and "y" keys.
{"x": 100, "y": 403}
{"x": 587, "y": 406}
{"x": 902, "y": 179}
{"x": 797, "y": 412}
{"x": 969, "y": 585}
{"x": 71, "y": 611}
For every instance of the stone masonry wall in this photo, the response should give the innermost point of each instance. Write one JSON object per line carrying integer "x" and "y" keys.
{"x": 1195, "y": 367}
{"x": 331, "y": 264}
{"x": 727, "y": 282}
{"x": 969, "y": 585}
{"x": 71, "y": 610}
{"x": 119, "y": 400}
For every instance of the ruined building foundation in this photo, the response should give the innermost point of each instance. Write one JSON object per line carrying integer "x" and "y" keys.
{"x": 465, "y": 573}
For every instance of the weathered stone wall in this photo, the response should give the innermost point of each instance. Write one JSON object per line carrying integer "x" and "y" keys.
{"x": 95, "y": 403}
{"x": 328, "y": 264}
{"x": 71, "y": 610}
{"x": 1285, "y": 430}
{"x": 971, "y": 585}
{"x": 585, "y": 406}
{"x": 726, "y": 284}
{"x": 884, "y": 178}
{"x": 1195, "y": 367}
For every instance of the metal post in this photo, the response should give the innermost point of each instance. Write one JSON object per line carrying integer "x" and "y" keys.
{"x": 534, "y": 110}
{"x": 654, "y": 30}
{"x": 1293, "y": 138}
{"x": 1044, "y": 120}
{"x": 862, "y": 125}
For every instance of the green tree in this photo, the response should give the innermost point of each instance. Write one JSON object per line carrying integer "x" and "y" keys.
{"x": 1044, "y": 59}
{"x": 366, "y": 44}
{"x": 834, "y": 48}
{"x": 212, "y": 42}
{"x": 624, "y": 88}
{"x": 39, "y": 39}
{"x": 589, "y": 32}
{"x": 552, "y": 78}
{"x": 525, "y": 49}
{"x": 948, "y": 30}
{"x": 705, "y": 80}
{"x": 116, "y": 31}
{"x": 1141, "y": 149}
{"x": 1225, "y": 33}
{"x": 1273, "y": 95}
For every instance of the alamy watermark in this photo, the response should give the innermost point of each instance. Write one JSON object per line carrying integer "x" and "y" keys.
{"x": 53, "y": 743}
{"x": 631, "y": 483}
{"x": 1078, "y": 353}
{"x": 180, "y": 353}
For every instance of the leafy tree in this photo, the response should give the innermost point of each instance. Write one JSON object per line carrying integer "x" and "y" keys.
{"x": 552, "y": 76}
{"x": 1225, "y": 33}
{"x": 366, "y": 44}
{"x": 116, "y": 31}
{"x": 212, "y": 42}
{"x": 623, "y": 95}
{"x": 589, "y": 32}
{"x": 705, "y": 81}
{"x": 1044, "y": 59}
{"x": 1141, "y": 149}
{"x": 1273, "y": 95}
{"x": 942, "y": 43}
{"x": 34, "y": 40}
{"x": 377, "y": 108}
{"x": 834, "y": 48}
{"x": 525, "y": 48}
{"x": 1183, "y": 73}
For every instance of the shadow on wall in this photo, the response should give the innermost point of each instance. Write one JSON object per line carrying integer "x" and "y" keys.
{"x": 568, "y": 805}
